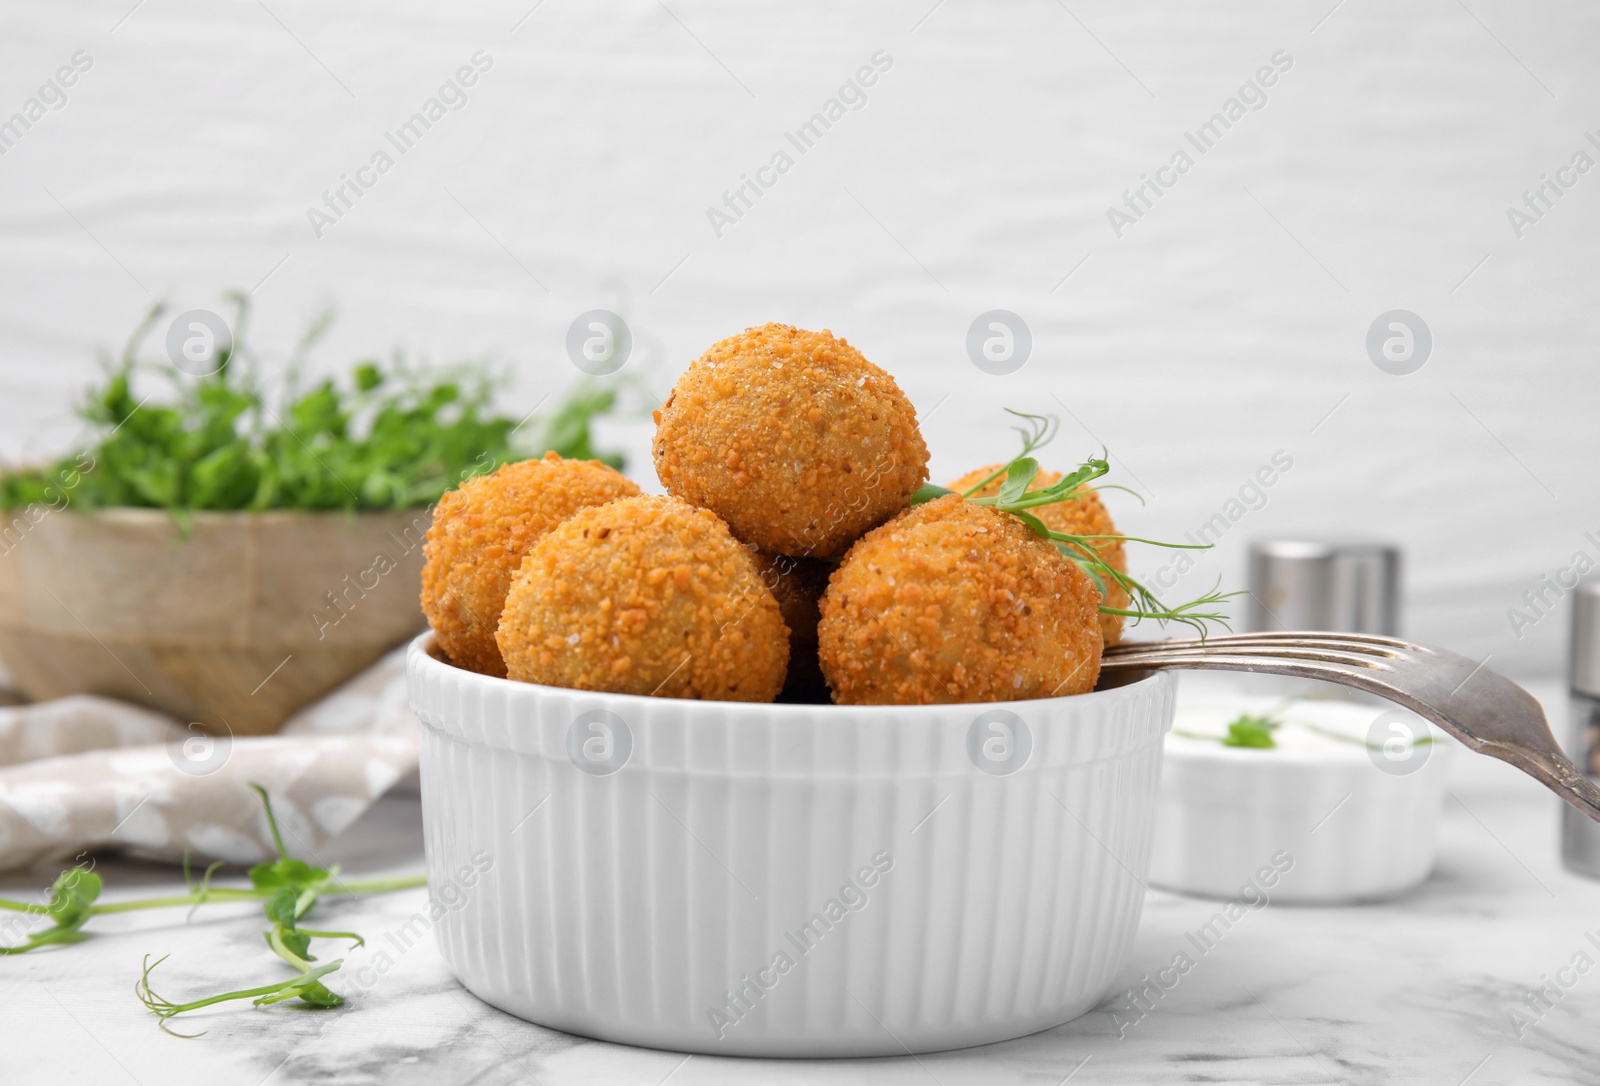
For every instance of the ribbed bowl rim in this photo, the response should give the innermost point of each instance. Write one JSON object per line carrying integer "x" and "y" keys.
{"x": 423, "y": 655}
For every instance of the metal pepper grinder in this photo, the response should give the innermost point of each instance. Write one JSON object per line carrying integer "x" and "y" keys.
{"x": 1339, "y": 586}
{"x": 1580, "y": 837}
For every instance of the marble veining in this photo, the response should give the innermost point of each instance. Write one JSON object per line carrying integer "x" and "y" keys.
{"x": 1431, "y": 988}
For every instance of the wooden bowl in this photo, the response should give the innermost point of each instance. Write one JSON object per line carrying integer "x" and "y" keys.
{"x": 233, "y": 626}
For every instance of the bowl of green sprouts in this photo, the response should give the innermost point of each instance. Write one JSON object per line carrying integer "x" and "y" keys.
{"x": 228, "y": 544}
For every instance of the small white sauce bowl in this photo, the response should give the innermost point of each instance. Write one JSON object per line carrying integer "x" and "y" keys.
{"x": 1317, "y": 820}
{"x": 785, "y": 880}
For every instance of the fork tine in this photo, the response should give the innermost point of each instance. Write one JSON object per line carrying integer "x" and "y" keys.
{"x": 1267, "y": 647}
{"x": 1309, "y": 667}
{"x": 1246, "y": 653}
{"x": 1350, "y": 642}
{"x": 1283, "y": 635}
{"x": 1332, "y": 635}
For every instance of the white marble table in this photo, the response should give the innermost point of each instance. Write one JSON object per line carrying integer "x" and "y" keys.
{"x": 1417, "y": 990}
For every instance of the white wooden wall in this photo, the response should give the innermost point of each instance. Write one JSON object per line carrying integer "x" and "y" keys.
{"x": 1224, "y": 326}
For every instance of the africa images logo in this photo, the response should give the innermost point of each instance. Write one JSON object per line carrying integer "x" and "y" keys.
{"x": 849, "y": 98}
{"x": 852, "y": 896}
{"x": 451, "y": 97}
{"x": 1251, "y": 97}
{"x": 49, "y": 98}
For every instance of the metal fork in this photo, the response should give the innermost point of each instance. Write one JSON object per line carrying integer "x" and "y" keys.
{"x": 1486, "y": 711}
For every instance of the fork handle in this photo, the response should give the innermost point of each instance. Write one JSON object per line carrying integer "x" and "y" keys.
{"x": 1543, "y": 762}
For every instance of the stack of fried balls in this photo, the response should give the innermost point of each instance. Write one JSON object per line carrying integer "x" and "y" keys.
{"x": 787, "y": 559}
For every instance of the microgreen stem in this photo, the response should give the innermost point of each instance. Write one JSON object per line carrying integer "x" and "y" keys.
{"x": 377, "y": 886}
{"x": 1119, "y": 486}
{"x": 199, "y": 897}
{"x": 272, "y": 821}
{"x": 1015, "y": 497}
{"x": 1037, "y": 431}
{"x": 1062, "y": 538}
{"x": 275, "y": 941}
{"x": 221, "y": 894}
{"x": 286, "y": 887}
{"x": 307, "y": 983}
{"x": 244, "y": 993}
{"x": 359, "y": 941}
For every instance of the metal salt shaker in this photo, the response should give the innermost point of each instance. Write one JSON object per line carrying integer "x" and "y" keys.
{"x": 1580, "y": 837}
{"x": 1341, "y": 586}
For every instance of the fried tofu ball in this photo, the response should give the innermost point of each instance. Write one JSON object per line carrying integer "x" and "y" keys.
{"x": 1084, "y": 514}
{"x": 647, "y": 595}
{"x": 793, "y": 438}
{"x": 956, "y": 602}
{"x": 798, "y": 585}
{"x": 480, "y": 533}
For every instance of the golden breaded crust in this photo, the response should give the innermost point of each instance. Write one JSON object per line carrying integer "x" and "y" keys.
{"x": 793, "y": 438}
{"x": 480, "y": 533}
{"x": 798, "y": 585}
{"x": 646, "y": 595}
{"x": 955, "y": 602}
{"x": 1085, "y": 514}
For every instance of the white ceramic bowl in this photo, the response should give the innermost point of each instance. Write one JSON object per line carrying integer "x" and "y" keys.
{"x": 1316, "y": 821}
{"x": 785, "y": 880}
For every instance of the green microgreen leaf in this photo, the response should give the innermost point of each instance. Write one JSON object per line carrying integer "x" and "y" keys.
{"x": 1020, "y": 474}
{"x": 307, "y": 986}
{"x": 1253, "y": 731}
{"x": 70, "y": 904}
{"x": 1249, "y": 730}
{"x": 1036, "y": 432}
{"x": 292, "y": 874}
{"x": 1015, "y": 498}
{"x": 72, "y": 895}
{"x": 388, "y": 436}
{"x": 287, "y": 888}
{"x": 927, "y": 492}
{"x": 280, "y": 908}
{"x": 1038, "y": 527}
